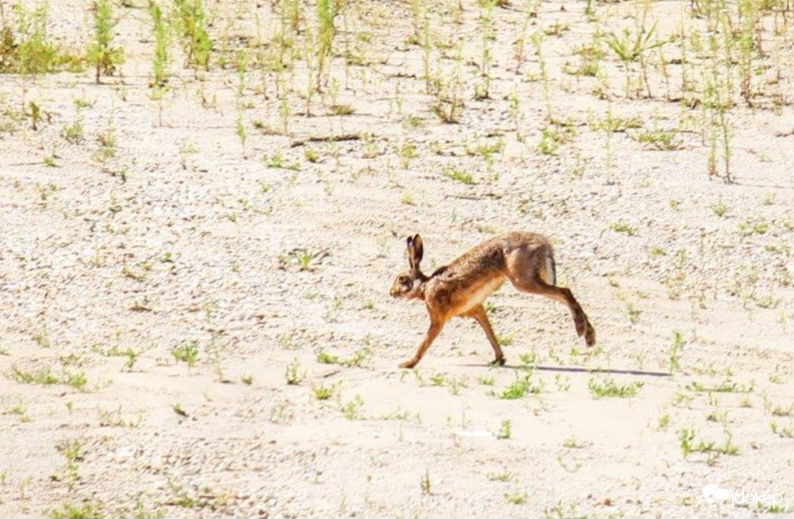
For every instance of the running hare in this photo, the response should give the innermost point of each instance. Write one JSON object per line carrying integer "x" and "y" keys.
{"x": 459, "y": 289}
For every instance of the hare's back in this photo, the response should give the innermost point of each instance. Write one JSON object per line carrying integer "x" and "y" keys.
{"x": 525, "y": 240}
{"x": 491, "y": 253}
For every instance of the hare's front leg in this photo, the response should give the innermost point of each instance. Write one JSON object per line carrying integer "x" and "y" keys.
{"x": 479, "y": 315}
{"x": 430, "y": 336}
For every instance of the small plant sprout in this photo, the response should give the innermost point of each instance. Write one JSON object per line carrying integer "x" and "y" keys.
{"x": 323, "y": 392}
{"x": 516, "y": 497}
{"x": 675, "y": 351}
{"x": 486, "y": 381}
{"x": 323, "y": 357}
{"x": 424, "y": 484}
{"x": 306, "y": 257}
{"x": 573, "y": 443}
{"x": 294, "y": 375}
{"x": 688, "y": 445}
{"x": 69, "y": 510}
{"x": 461, "y": 176}
{"x": 505, "y": 431}
{"x": 186, "y": 352}
{"x": 783, "y": 430}
{"x": 242, "y": 133}
{"x": 178, "y": 409}
{"x": 625, "y": 228}
{"x": 522, "y": 386}
{"x": 352, "y": 408}
{"x": 635, "y": 46}
{"x": 725, "y": 386}
{"x": 562, "y": 382}
{"x": 504, "y": 476}
{"x": 663, "y": 422}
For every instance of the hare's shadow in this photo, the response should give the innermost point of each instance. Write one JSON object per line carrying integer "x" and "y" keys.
{"x": 572, "y": 369}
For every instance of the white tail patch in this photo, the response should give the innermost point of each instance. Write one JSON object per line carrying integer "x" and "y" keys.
{"x": 551, "y": 276}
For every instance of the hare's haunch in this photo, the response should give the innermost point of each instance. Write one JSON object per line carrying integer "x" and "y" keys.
{"x": 460, "y": 288}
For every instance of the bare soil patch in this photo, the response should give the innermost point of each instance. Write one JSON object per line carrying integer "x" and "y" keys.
{"x": 194, "y": 272}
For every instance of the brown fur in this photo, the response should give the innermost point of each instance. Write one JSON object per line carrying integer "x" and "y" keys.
{"x": 460, "y": 288}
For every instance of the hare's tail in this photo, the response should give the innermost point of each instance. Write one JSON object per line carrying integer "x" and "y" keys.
{"x": 550, "y": 274}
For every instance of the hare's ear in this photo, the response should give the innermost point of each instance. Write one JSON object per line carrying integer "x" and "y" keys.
{"x": 418, "y": 249}
{"x": 409, "y": 250}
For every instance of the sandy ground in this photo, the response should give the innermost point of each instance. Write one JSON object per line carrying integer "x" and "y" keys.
{"x": 258, "y": 262}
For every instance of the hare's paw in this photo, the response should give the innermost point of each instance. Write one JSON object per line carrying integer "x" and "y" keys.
{"x": 498, "y": 362}
{"x": 408, "y": 364}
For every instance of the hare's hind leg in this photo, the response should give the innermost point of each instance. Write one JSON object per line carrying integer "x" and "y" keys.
{"x": 430, "y": 336}
{"x": 479, "y": 315}
{"x": 536, "y": 285}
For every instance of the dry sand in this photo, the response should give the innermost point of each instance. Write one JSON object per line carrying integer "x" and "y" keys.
{"x": 261, "y": 259}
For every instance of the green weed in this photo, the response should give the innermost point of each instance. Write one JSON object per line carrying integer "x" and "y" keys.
{"x": 608, "y": 388}
{"x": 101, "y": 52}
{"x": 505, "y": 431}
{"x": 293, "y": 375}
{"x": 461, "y": 176}
{"x": 160, "y": 63}
{"x": 522, "y": 386}
{"x": 192, "y": 25}
{"x": 88, "y": 510}
{"x": 186, "y": 352}
{"x": 726, "y": 386}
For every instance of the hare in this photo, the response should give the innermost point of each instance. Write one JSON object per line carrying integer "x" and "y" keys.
{"x": 460, "y": 288}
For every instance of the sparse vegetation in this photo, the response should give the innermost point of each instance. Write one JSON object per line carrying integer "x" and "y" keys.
{"x": 102, "y": 53}
{"x": 186, "y": 352}
{"x": 505, "y": 430}
{"x": 89, "y": 510}
{"x": 75, "y": 379}
{"x": 352, "y": 409}
{"x": 232, "y": 183}
{"x": 192, "y": 27}
{"x": 503, "y": 477}
{"x": 161, "y": 55}
{"x": 358, "y": 359}
{"x": 516, "y": 497}
{"x": 688, "y": 444}
{"x": 782, "y": 430}
{"x": 463, "y": 177}
{"x": 27, "y": 49}
{"x": 522, "y": 386}
{"x": 608, "y": 388}
{"x": 294, "y": 375}
{"x": 725, "y": 386}
{"x": 323, "y": 392}
{"x": 675, "y": 351}
{"x": 624, "y": 228}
